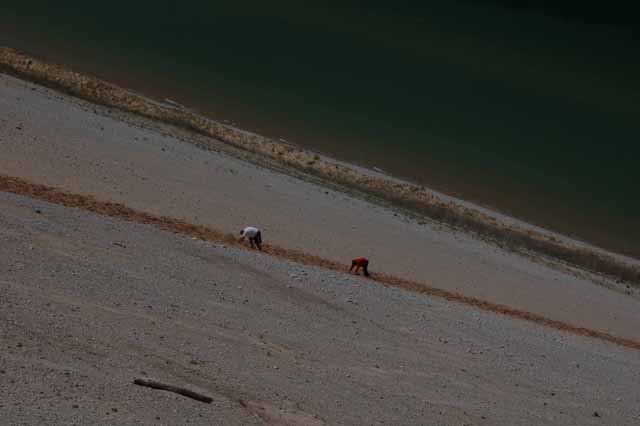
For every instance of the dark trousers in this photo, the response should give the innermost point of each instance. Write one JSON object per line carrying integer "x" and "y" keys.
{"x": 257, "y": 239}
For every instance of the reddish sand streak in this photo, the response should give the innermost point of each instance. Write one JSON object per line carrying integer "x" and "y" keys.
{"x": 120, "y": 211}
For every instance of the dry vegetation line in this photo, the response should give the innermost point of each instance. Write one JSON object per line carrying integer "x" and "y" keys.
{"x": 412, "y": 197}
{"x": 120, "y": 211}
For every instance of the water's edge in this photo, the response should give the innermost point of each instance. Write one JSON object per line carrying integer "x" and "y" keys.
{"x": 509, "y": 233}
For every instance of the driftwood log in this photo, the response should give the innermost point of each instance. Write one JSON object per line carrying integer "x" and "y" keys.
{"x": 175, "y": 389}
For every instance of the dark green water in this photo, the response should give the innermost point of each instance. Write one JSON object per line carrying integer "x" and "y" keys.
{"x": 529, "y": 111}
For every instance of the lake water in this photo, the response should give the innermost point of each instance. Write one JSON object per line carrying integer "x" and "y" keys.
{"x": 525, "y": 112}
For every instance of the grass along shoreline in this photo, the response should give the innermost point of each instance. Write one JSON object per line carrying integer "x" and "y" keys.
{"x": 413, "y": 198}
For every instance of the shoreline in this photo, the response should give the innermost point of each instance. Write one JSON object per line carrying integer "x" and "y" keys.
{"x": 414, "y": 199}
{"x": 60, "y": 141}
{"x": 568, "y": 210}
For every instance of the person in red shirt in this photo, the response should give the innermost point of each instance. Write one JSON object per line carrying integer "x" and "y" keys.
{"x": 358, "y": 263}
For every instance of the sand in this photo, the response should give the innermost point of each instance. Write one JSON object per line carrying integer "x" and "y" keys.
{"x": 59, "y": 141}
{"x": 89, "y": 303}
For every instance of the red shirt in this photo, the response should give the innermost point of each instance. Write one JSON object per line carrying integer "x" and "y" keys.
{"x": 361, "y": 261}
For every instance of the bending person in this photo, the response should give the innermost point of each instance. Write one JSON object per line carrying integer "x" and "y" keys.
{"x": 358, "y": 263}
{"x": 253, "y": 235}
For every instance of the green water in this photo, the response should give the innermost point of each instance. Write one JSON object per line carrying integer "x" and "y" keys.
{"x": 526, "y": 112}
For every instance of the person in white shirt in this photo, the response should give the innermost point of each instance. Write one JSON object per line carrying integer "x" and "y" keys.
{"x": 254, "y": 236}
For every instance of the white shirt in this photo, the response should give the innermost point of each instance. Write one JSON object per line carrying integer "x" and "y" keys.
{"x": 250, "y": 232}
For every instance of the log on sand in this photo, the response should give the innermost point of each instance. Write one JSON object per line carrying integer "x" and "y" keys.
{"x": 175, "y": 389}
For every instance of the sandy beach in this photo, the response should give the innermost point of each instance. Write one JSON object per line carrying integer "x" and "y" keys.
{"x": 62, "y": 142}
{"x": 270, "y": 340}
